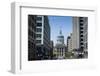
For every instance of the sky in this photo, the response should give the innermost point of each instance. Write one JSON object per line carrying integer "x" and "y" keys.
{"x": 58, "y": 23}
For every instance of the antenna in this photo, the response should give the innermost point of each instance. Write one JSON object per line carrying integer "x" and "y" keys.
{"x": 60, "y": 29}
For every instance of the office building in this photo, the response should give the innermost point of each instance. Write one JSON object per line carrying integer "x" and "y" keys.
{"x": 43, "y": 37}
{"x": 69, "y": 43}
{"x": 79, "y": 40}
{"x": 76, "y": 33}
{"x": 31, "y": 37}
{"x": 51, "y": 49}
{"x": 85, "y": 33}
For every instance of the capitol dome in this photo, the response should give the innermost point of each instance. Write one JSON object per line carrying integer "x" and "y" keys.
{"x": 60, "y": 38}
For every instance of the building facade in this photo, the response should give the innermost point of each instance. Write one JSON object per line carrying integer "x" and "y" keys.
{"x": 43, "y": 37}
{"x": 79, "y": 40}
{"x": 69, "y": 43}
{"x": 85, "y": 33}
{"x": 51, "y": 49}
{"x": 31, "y": 37}
{"x": 84, "y": 39}
{"x": 60, "y": 48}
{"x": 38, "y": 38}
{"x": 76, "y": 33}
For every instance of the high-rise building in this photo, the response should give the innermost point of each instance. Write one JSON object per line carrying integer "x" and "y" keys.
{"x": 31, "y": 37}
{"x": 43, "y": 37}
{"x": 76, "y": 33}
{"x": 51, "y": 49}
{"x": 85, "y": 33}
{"x": 60, "y": 47}
{"x": 38, "y": 37}
{"x": 79, "y": 40}
{"x": 69, "y": 43}
{"x": 84, "y": 39}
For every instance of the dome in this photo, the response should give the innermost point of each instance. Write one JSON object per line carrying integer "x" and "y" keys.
{"x": 60, "y": 38}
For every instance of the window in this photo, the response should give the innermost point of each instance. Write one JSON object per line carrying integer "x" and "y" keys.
{"x": 38, "y": 41}
{"x": 30, "y": 33}
{"x": 81, "y": 20}
{"x": 33, "y": 17}
{"x": 81, "y": 17}
{"x": 81, "y": 24}
{"x": 38, "y": 30}
{"x": 81, "y": 35}
{"x": 81, "y": 31}
{"x": 38, "y": 35}
{"x": 81, "y": 39}
{"x": 81, "y": 28}
{"x": 39, "y": 24}
{"x": 81, "y": 43}
{"x": 39, "y": 18}
{"x": 60, "y": 37}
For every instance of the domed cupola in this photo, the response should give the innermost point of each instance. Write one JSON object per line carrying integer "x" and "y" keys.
{"x": 60, "y": 38}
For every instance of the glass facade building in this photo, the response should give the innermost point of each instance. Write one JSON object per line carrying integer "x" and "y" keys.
{"x": 31, "y": 37}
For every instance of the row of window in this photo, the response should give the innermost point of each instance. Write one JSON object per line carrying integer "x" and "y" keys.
{"x": 31, "y": 45}
{"x": 81, "y": 32}
{"x": 83, "y": 45}
{"x": 81, "y": 28}
{"x": 38, "y": 29}
{"x": 39, "y": 18}
{"x": 46, "y": 35}
{"x": 38, "y": 41}
{"x": 81, "y": 35}
{"x": 39, "y": 24}
{"x": 32, "y": 24}
{"x": 60, "y": 51}
{"x": 46, "y": 40}
{"x": 38, "y": 35}
{"x": 31, "y": 33}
